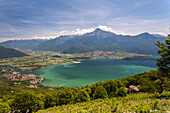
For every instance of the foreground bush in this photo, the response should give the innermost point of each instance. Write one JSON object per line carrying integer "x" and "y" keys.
{"x": 4, "y": 108}
{"x": 122, "y": 92}
{"x": 49, "y": 100}
{"x": 139, "y": 103}
{"x": 100, "y": 92}
{"x": 64, "y": 97}
{"x": 27, "y": 100}
{"x": 82, "y": 96}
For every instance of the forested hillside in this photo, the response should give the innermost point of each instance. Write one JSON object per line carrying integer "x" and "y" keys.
{"x": 53, "y": 44}
{"x": 8, "y": 53}
{"x": 107, "y": 41}
{"x": 22, "y": 44}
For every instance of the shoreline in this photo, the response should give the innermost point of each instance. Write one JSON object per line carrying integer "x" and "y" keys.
{"x": 32, "y": 71}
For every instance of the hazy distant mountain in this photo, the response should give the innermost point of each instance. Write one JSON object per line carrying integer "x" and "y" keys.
{"x": 96, "y": 40}
{"x": 158, "y": 35}
{"x": 22, "y": 44}
{"x": 8, "y": 53}
{"x": 107, "y": 41}
{"x": 53, "y": 44}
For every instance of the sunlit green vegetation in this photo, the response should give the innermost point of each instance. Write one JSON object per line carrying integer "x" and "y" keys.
{"x": 107, "y": 96}
{"x": 140, "y": 103}
{"x": 9, "y": 53}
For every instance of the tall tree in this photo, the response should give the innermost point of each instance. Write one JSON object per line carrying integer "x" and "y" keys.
{"x": 163, "y": 62}
{"x": 27, "y": 100}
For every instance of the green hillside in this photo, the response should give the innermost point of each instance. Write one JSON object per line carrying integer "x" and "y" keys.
{"x": 8, "y": 53}
{"x": 139, "y": 103}
{"x": 22, "y": 44}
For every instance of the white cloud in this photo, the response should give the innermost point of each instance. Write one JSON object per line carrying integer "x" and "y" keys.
{"x": 105, "y": 28}
{"x": 25, "y": 21}
{"x": 83, "y": 31}
{"x": 88, "y": 30}
{"x": 44, "y": 37}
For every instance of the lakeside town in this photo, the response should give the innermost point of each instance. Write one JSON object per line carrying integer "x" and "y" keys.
{"x": 17, "y": 77}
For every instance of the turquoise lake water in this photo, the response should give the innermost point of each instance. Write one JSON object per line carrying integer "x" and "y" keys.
{"x": 89, "y": 72}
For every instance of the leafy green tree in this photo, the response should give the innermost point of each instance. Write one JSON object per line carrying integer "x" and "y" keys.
{"x": 120, "y": 84}
{"x": 100, "y": 92}
{"x": 88, "y": 90}
{"x": 146, "y": 85}
{"x": 82, "y": 96}
{"x": 49, "y": 100}
{"x": 27, "y": 100}
{"x": 111, "y": 86}
{"x": 64, "y": 97}
{"x": 163, "y": 62}
{"x": 94, "y": 86}
{"x": 122, "y": 92}
{"x": 4, "y": 108}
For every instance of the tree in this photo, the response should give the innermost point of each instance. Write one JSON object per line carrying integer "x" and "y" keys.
{"x": 163, "y": 62}
{"x": 100, "y": 92}
{"x": 111, "y": 86}
{"x": 122, "y": 92}
{"x": 27, "y": 100}
{"x": 49, "y": 100}
{"x": 88, "y": 90}
{"x": 120, "y": 84}
{"x": 4, "y": 108}
{"x": 64, "y": 97}
{"x": 82, "y": 96}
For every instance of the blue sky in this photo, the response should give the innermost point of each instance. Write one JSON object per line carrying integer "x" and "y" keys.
{"x": 44, "y": 18}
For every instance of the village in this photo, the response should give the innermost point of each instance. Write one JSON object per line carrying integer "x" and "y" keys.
{"x": 17, "y": 78}
{"x": 33, "y": 62}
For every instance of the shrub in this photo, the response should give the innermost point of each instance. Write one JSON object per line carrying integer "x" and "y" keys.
{"x": 27, "y": 100}
{"x": 100, "y": 92}
{"x": 120, "y": 84}
{"x": 88, "y": 90}
{"x": 142, "y": 108}
{"x": 111, "y": 86}
{"x": 4, "y": 108}
{"x": 64, "y": 97}
{"x": 49, "y": 100}
{"x": 122, "y": 92}
{"x": 82, "y": 96}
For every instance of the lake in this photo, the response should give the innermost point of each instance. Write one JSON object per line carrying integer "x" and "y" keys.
{"x": 89, "y": 72}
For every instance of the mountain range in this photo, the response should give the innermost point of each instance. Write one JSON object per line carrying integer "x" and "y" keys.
{"x": 22, "y": 44}
{"x": 8, "y": 53}
{"x": 96, "y": 40}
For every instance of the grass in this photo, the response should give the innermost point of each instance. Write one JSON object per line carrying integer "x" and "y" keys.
{"x": 140, "y": 103}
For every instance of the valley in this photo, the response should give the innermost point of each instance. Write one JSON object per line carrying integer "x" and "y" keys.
{"x": 84, "y": 56}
